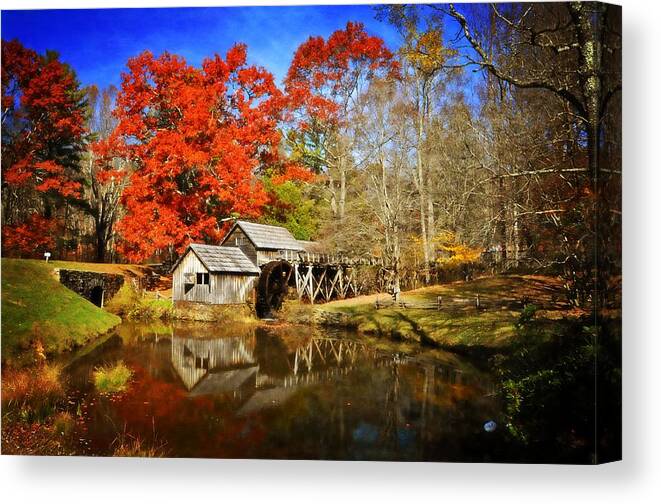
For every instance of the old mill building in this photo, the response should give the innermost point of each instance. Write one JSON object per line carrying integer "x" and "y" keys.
{"x": 229, "y": 273}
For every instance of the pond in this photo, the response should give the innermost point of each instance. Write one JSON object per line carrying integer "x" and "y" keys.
{"x": 208, "y": 390}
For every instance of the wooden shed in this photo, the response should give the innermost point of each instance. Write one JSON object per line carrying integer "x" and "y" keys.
{"x": 215, "y": 275}
{"x": 261, "y": 243}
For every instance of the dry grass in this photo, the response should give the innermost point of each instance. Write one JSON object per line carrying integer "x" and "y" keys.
{"x": 31, "y": 394}
{"x": 31, "y": 385}
{"x": 132, "y": 446}
{"x": 129, "y": 270}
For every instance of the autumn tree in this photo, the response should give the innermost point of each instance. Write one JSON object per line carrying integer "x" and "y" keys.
{"x": 323, "y": 83}
{"x": 106, "y": 169}
{"x": 197, "y": 139}
{"x": 43, "y": 136}
{"x": 427, "y": 71}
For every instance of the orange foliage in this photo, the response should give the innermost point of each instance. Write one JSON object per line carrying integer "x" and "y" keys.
{"x": 31, "y": 238}
{"x": 323, "y": 73}
{"x": 198, "y": 138}
{"x": 39, "y": 98}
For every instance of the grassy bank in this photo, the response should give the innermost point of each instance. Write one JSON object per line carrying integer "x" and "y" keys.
{"x": 131, "y": 305}
{"x": 459, "y": 324}
{"x": 541, "y": 353}
{"x": 40, "y": 314}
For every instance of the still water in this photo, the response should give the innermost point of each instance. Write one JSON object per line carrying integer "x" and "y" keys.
{"x": 207, "y": 390}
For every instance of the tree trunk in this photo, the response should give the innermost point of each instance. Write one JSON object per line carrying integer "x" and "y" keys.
{"x": 431, "y": 226}
{"x": 101, "y": 243}
{"x": 422, "y": 190}
{"x": 502, "y": 223}
{"x": 343, "y": 188}
{"x": 589, "y": 21}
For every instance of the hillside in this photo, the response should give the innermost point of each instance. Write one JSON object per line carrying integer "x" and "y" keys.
{"x": 35, "y": 305}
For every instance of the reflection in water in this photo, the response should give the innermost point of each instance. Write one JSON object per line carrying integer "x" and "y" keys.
{"x": 253, "y": 392}
{"x": 210, "y": 365}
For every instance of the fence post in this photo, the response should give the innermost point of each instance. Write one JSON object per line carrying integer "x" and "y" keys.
{"x": 439, "y": 300}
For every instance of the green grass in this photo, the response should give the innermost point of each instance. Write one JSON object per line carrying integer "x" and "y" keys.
{"x": 36, "y": 307}
{"x": 111, "y": 379}
{"x": 458, "y": 325}
{"x": 129, "y": 304}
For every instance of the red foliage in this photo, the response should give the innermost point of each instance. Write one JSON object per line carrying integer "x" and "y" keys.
{"x": 31, "y": 238}
{"x": 105, "y": 152}
{"x": 293, "y": 171}
{"x": 197, "y": 138}
{"x": 40, "y": 102}
{"x": 325, "y": 73}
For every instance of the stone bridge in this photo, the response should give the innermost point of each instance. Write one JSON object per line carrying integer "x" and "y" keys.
{"x": 93, "y": 286}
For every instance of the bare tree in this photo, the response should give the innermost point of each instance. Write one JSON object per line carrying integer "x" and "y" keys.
{"x": 104, "y": 192}
{"x": 382, "y": 137}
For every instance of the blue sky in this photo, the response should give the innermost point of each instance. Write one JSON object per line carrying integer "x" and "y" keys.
{"x": 98, "y": 42}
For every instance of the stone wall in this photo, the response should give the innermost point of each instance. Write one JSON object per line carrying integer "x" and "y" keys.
{"x": 89, "y": 284}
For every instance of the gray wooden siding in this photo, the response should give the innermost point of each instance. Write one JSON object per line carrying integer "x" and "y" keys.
{"x": 223, "y": 288}
{"x": 247, "y": 247}
{"x": 266, "y": 256}
{"x": 231, "y": 289}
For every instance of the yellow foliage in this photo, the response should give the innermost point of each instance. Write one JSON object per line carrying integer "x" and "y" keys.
{"x": 427, "y": 52}
{"x": 455, "y": 252}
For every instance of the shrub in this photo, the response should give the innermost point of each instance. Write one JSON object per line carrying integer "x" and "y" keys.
{"x": 548, "y": 386}
{"x": 526, "y": 315}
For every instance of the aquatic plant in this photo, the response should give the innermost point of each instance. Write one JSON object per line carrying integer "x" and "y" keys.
{"x": 111, "y": 378}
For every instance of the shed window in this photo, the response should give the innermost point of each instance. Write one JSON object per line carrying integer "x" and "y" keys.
{"x": 189, "y": 282}
{"x": 202, "y": 279}
{"x": 240, "y": 240}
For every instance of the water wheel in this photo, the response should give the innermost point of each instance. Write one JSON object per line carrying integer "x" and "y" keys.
{"x": 272, "y": 287}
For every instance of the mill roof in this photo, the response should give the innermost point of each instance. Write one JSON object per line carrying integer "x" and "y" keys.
{"x": 221, "y": 259}
{"x": 264, "y": 236}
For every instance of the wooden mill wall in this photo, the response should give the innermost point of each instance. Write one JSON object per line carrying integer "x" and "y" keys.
{"x": 223, "y": 288}
{"x": 233, "y": 288}
{"x": 266, "y": 256}
{"x": 246, "y": 246}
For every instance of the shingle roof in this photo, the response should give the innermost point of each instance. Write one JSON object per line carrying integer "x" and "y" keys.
{"x": 311, "y": 246}
{"x": 269, "y": 237}
{"x": 222, "y": 259}
{"x": 218, "y": 382}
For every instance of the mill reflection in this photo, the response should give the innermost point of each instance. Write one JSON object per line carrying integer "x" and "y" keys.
{"x": 208, "y": 366}
{"x": 293, "y": 392}
{"x": 260, "y": 369}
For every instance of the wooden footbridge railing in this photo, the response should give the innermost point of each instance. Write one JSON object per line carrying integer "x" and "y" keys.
{"x": 322, "y": 277}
